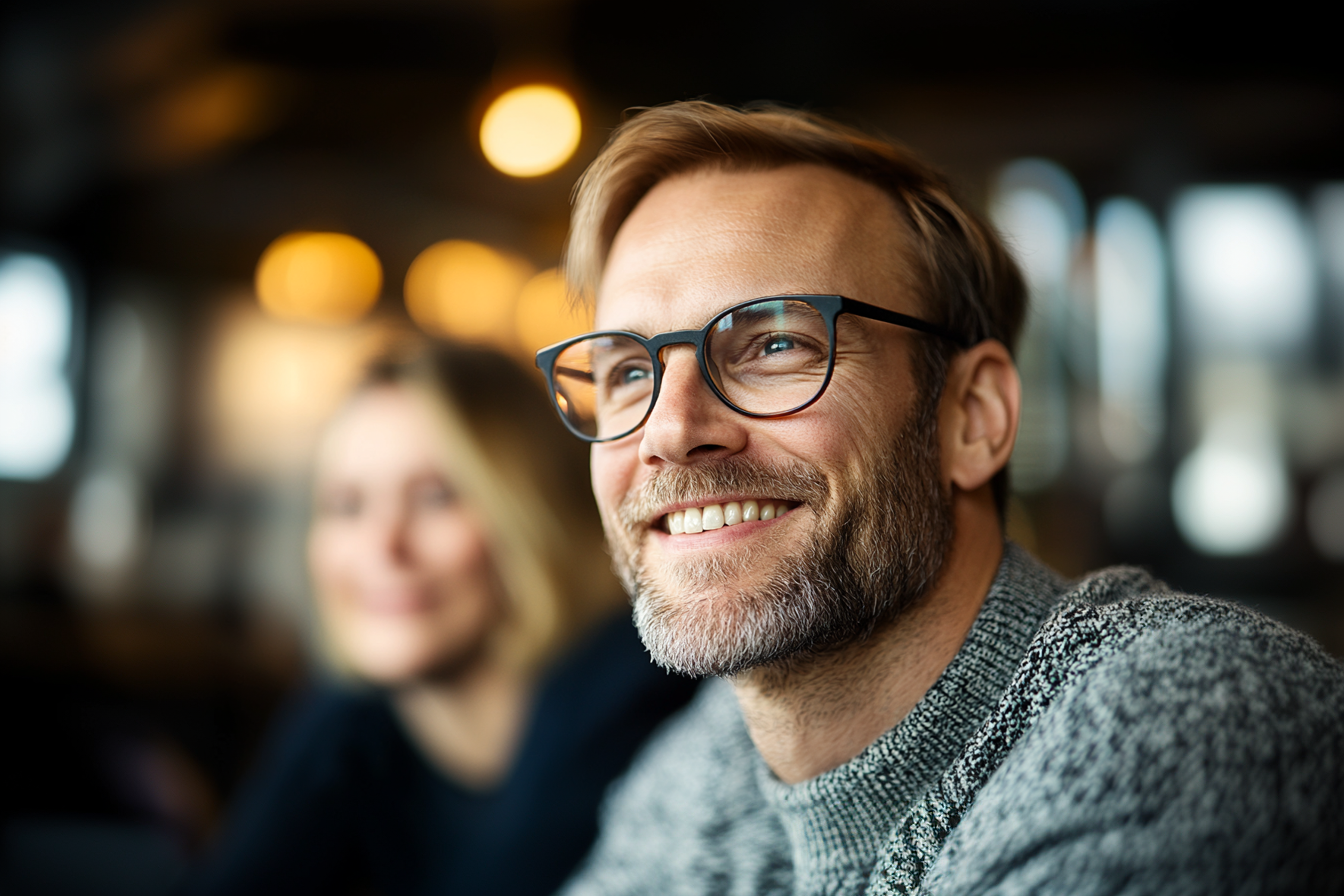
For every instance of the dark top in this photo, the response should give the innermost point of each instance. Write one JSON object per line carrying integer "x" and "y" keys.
{"x": 344, "y": 802}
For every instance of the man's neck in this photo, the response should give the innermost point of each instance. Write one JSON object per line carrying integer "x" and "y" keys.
{"x": 808, "y": 717}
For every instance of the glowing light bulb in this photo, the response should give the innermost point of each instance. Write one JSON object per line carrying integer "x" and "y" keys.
{"x": 531, "y": 130}
{"x": 318, "y": 277}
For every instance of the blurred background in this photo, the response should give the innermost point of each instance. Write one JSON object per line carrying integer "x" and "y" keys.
{"x": 214, "y": 212}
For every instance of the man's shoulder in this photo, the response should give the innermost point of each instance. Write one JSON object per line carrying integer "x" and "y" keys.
{"x": 1173, "y": 741}
{"x": 1125, "y": 657}
{"x": 1123, "y": 615}
{"x": 1124, "y": 640}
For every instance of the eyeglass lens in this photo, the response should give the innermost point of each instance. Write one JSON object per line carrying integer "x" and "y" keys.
{"x": 765, "y": 358}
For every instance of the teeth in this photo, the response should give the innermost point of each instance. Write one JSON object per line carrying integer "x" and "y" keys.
{"x": 693, "y": 520}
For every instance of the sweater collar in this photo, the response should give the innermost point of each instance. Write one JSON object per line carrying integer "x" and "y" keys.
{"x": 836, "y": 821}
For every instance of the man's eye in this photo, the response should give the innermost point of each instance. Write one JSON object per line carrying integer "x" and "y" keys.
{"x": 778, "y": 344}
{"x": 627, "y": 373}
{"x": 631, "y": 375}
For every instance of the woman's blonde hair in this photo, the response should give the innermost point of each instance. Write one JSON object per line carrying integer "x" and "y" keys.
{"x": 527, "y": 479}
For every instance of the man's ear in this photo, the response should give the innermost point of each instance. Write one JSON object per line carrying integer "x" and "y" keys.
{"x": 978, "y": 415}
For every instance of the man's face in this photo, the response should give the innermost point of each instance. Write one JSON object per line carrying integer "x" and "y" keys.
{"x": 861, "y": 519}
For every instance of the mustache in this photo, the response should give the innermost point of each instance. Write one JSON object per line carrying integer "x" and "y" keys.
{"x": 792, "y": 481}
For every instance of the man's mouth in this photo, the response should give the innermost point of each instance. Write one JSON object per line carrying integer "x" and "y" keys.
{"x": 693, "y": 520}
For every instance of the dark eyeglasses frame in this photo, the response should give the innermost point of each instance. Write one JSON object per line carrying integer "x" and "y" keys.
{"x": 830, "y": 307}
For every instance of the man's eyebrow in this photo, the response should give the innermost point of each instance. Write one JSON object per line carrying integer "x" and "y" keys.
{"x": 849, "y": 324}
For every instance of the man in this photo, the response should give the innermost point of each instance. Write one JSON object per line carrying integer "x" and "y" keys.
{"x": 804, "y": 497}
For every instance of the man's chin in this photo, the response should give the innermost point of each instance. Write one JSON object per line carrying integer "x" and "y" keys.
{"x": 716, "y": 628}
{"x": 719, "y": 612}
{"x": 698, "y": 637}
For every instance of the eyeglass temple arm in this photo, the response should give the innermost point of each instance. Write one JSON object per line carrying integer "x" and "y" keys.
{"x": 873, "y": 312}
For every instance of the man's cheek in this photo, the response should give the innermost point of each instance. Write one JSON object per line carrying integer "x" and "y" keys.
{"x": 611, "y": 525}
{"x": 611, "y": 483}
{"x": 618, "y": 539}
{"x": 600, "y": 469}
{"x": 609, "y": 509}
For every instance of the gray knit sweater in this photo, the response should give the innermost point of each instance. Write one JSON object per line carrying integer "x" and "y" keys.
{"x": 1105, "y": 736}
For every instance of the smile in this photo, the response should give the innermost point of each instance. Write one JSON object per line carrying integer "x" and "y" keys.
{"x": 693, "y": 520}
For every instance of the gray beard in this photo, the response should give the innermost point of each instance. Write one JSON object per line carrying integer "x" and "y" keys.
{"x": 876, "y": 550}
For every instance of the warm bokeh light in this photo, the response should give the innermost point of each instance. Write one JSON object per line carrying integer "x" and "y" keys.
{"x": 546, "y": 315}
{"x": 531, "y": 130}
{"x": 328, "y": 278}
{"x": 271, "y": 386}
{"x": 466, "y": 290}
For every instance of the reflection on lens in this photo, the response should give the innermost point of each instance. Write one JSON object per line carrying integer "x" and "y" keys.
{"x": 770, "y": 357}
{"x": 607, "y": 382}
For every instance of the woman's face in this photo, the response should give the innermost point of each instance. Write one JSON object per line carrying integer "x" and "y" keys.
{"x": 400, "y": 565}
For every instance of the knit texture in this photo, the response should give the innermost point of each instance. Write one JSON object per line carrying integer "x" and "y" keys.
{"x": 1105, "y": 736}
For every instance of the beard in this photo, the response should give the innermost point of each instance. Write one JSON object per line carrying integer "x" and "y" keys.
{"x": 876, "y": 548}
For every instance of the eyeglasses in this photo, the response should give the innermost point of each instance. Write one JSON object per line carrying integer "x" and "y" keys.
{"x": 763, "y": 358}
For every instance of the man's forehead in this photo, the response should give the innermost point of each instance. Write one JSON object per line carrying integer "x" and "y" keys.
{"x": 756, "y": 206}
{"x": 703, "y": 240}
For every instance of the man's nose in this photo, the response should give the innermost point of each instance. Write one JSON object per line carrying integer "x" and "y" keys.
{"x": 688, "y": 421}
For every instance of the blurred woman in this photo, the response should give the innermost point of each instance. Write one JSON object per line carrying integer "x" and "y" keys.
{"x": 493, "y": 687}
